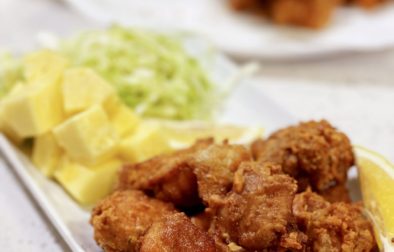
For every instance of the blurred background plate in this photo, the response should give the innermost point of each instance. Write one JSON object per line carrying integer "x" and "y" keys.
{"x": 351, "y": 30}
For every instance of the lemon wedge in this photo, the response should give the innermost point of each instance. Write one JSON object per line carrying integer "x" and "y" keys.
{"x": 183, "y": 134}
{"x": 377, "y": 185}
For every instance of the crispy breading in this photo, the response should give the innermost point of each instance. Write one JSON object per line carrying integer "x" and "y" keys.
{"x": 314, "y": 153}
{"x": 176, "y": 233}
{"x": 121, "y": 219}
{"x": 215, "y": 167}
{"x": 168, "y": 177}
{"x": 333, "y": 227}
{"x": 257, "y": 213}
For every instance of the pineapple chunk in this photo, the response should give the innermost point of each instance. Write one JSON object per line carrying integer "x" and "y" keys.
{"x": 4, "y": 128}
{"x": 87, "y": 184}
{"x": 44, "y": 67}
{"x": 33, "y": 110}
{"x": 88, "y": 136}
{"x": 82, "y": 88}
{"x": 46, "y": 154}
{"x": 145, "y": 142}
{"x": 124, "y": 120}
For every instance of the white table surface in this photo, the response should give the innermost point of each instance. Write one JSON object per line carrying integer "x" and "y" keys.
{"x": 354, "y": 92}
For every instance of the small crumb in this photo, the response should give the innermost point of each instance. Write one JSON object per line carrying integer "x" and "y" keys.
{"x": 392, "y": 240}
{"x": 234, "y": 247}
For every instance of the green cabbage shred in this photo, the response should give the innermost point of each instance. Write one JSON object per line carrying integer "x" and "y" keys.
{"x": 153, "y": 73}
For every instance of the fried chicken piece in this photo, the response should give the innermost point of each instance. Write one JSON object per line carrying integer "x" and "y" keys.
{"x": 314, "y": 153}
{"x": 167, "y": 177}
{"x": 178, "y": 234}
{"x": 215, "y": 167}
{"x": 121, "y": 219}
{"x": 308, "y": 13}
{"x": 257, "y": 213}
{"x": 333, "y": 227}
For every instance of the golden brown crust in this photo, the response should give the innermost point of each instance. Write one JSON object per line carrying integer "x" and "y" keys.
{"x": 333, "y": 227}
{"x": 257, "y": 212}
{"x": 215, "y": 167}
{"x": 314, "y": 153}
{"x": 167, "y": 177}
{"x": 121, "y": 219}
{"x": 176, "y": 233}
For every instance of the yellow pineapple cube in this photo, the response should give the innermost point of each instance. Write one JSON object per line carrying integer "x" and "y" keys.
{"x": 33, "y": 110}
{"x": 88, "y": 136}
{"x": 87, "y": 184}
{"x": 46, "y": 154}
{"x": 44, "y": 67}
{"x": 145, "y": 142}
{"x": 124, "y": 120}
{"x": 82, "y": 88}
{"x": 4, "y": 128}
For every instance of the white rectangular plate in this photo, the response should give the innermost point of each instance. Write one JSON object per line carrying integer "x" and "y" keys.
{"x": 246, "y": 106}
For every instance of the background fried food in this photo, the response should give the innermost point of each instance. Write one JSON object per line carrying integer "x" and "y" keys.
{"x": 307, "y": 13}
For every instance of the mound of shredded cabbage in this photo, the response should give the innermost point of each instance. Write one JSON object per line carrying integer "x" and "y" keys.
{"x": 152, "y": 72}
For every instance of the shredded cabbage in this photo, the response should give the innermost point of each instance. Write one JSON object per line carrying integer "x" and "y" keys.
{"x": 153, "y": 73}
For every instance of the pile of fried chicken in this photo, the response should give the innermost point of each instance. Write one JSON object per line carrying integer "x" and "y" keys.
{"x": 285, "y": 193}
{"x": 308, "y": 13}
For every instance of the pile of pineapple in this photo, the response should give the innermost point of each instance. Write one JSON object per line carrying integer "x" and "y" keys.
{"x": 81, "y": 130}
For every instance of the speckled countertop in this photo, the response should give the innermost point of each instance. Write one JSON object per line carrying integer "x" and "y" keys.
{"x": 355, "y": 92}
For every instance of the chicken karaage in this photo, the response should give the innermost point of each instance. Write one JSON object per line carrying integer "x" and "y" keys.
{"x": 333, "y": 226}
{"x": 257, "y": 213}
{"x": 314, "y": 153}
{"x": 121, "y": 219}
{"x": 306, "y": 13}
{"x": 167, "y": 177}
{"x": 215, "y": 167}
